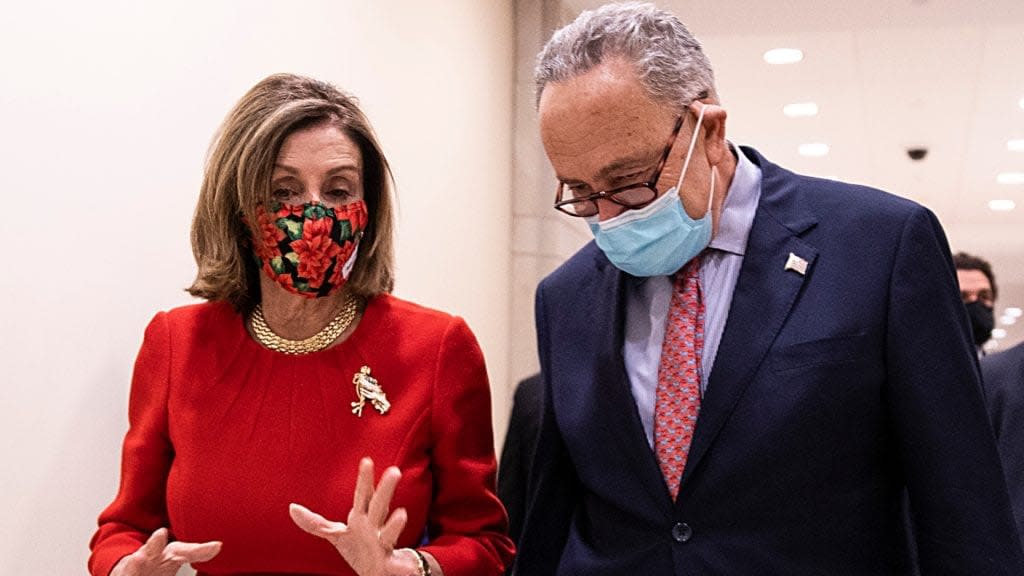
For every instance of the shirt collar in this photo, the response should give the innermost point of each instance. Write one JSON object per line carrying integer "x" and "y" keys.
{"x": 737, "y": 216}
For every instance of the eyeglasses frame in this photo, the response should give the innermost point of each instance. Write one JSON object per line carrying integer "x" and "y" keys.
{"x": 651, "y": 184}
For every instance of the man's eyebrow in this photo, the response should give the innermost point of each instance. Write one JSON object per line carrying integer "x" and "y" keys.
{"x": 639, "y": 160}
{"x": 635, "y": 161}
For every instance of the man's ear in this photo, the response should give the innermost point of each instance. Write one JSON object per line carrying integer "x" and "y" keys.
{"x": 714, "y": 132}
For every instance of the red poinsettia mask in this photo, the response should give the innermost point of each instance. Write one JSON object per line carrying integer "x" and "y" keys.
{"x": 309, "y": 249}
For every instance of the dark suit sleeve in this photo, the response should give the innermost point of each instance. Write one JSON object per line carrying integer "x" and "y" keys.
{"x": 553, "y": 486}
{"x": 937, "y": 413}
{"x": 517, "y": 451}
{"x": 1003, "y": 376}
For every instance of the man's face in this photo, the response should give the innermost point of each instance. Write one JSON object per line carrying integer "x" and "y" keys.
{"x": 601, "y": 131}
{"x": 975, "y": 287}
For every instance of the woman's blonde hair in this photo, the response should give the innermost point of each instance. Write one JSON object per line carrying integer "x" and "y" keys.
{"x": 237, "y": 180}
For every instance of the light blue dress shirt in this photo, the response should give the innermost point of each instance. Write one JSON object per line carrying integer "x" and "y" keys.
{"x": 647, "y": 301}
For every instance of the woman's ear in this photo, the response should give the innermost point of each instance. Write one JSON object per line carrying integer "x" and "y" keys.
{"x": 714, "y": 132}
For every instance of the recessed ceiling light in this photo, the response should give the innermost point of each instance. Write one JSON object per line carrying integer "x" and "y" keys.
{"x": 1007, "y": 320}
{"x": 1001, "y": 205}
{"x": 783, "y": 56}
{"x": 1015, "y": 145}
{"x": 998, "y": 333}
{"x": 1013, "y": 312}
{"x": 813, "y": 149}
{"x": 1021, "y": 102}
{"x": 1010, "y": 178}
{"x": 805, "y": 109}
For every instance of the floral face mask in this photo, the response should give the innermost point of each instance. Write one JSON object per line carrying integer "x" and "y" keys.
{"x": 309, "y": 249}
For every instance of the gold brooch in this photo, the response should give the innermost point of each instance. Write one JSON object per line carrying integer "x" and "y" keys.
{"x": 367, "y": 388}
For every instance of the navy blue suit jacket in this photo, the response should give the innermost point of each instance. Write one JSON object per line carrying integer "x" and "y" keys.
{"x": 832, "y": 395}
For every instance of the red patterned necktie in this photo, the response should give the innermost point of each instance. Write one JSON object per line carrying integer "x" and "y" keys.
{"x": 678, "y": 393}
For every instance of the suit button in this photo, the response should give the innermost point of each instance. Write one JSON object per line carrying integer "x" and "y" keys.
{"x": 682, "y": 532}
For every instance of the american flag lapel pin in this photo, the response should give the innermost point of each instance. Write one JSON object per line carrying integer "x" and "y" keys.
{"x": 796, "y": 264}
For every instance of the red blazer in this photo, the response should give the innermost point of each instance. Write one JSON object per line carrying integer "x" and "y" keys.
{"x": 224, "y": 434}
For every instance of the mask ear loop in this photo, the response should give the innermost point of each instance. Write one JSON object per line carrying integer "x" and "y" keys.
{"x": 693, "y": 142}
{"x": 689, "y": 154}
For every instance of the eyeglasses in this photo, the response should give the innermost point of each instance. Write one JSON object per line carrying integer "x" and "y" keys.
{"x": 637, "y": 195}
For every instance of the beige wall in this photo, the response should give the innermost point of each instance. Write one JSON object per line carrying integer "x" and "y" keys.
{"x": 107, "y": 108}
{"x": 541, "y": 237}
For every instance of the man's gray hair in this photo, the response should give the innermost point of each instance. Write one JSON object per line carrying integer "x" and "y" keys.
{"x": 669, "y": 61}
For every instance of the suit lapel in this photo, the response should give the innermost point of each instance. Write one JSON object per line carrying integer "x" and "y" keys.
{"x": 765, "y": 292}
{"x": 614, "y": 396}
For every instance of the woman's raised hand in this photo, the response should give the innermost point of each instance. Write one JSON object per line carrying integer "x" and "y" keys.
{"x": 158, "y": 558}
{"x": 367, "y": 540}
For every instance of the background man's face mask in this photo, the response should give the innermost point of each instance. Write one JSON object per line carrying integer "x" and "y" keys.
{"x": 982, "y": 321}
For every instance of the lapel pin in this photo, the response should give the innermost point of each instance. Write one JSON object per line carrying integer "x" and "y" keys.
{"x": 367, "y": 388}
{"x": 796, "y": 264}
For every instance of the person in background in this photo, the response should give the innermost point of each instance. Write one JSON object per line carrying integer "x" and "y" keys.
{"x": 517, "y": 451}
{"x": 1003, "y": 377}
{"x": 748, "y": 368}
{"x": 1002, "y": 374}
{"x": 300, "y": 376}
{"x": 978, "y": 291}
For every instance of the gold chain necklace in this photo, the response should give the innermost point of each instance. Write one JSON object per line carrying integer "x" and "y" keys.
{"x": 314, "y": 343}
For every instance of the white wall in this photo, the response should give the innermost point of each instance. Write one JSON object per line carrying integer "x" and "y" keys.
{"x": 106, "y": 111}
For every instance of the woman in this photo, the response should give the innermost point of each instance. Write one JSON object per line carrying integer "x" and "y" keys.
{"x": 300, "y": 374}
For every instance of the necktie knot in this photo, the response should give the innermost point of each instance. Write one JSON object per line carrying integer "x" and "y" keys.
{"x": 691, "y": 269}
{"x": 688, "y": 277}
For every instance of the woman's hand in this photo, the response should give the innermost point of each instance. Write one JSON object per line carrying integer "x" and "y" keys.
{"x": 158, "y": 558}
{"x": 367, "y": 541}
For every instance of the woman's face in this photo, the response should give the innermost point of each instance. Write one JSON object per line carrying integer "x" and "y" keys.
{"x": 320, "y": 164}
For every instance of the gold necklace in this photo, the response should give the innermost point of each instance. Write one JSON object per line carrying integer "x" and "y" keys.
{"x": 314, "y": 343}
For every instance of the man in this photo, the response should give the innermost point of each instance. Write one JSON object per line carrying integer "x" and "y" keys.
{"x": 978, "y": 292}
{"x": 763, "y": 410}
{"x": 1003, "y": 374}
{"x": 1004, "y": 389}
{"x": 517, "y": 451}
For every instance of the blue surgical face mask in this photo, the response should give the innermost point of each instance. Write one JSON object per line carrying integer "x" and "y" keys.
{"x": 658, "y": 239}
